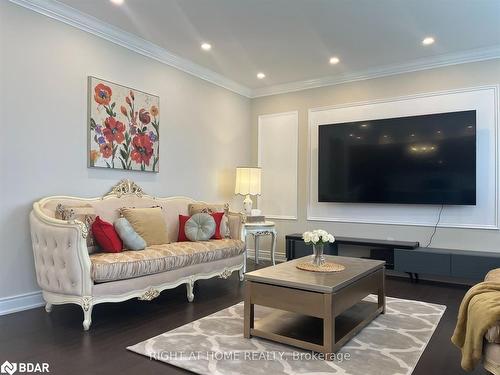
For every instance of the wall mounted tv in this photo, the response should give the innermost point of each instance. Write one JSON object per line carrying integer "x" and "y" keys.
{"x": 429, "y": 159}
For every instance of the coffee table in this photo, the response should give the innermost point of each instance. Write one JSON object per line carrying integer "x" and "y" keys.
{"x": 312, "y": 310}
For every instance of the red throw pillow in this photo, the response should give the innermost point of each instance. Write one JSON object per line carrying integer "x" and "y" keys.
{"x": 182, "y": 225}
{"x": 218, "y": 219}
{"x": 106, "y": 236}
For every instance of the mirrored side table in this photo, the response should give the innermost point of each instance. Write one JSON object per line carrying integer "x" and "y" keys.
{"x": 257, "y": 230}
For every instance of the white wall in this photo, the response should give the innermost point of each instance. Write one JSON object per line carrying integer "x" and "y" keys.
{"x": 44, "y": 66}
{"x": 435, "y": 80}
{"x": 277, "y": 156}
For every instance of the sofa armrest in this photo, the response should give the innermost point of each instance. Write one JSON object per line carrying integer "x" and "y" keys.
{"x": 235, "y": 221}
{"x": 62, "y": 262}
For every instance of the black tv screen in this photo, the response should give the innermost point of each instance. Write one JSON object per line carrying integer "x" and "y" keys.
{"x": 429, "y": 159}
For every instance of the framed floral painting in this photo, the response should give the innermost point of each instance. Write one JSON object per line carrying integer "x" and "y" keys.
{"x": 124, "y": 127}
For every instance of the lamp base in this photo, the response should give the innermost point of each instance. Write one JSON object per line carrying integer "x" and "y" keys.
{"x": 247, "y": 205}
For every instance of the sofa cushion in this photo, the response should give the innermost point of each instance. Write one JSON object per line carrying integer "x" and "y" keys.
{"x": 195, "y": 208}
{"x": 234, "y": 221}
{"x": 161, "y": 258}
{"x": 181, "y": 237}
{"x": 106, "y": 236}
{"x": 200, "y": 227}
{"x": 218, "y": 234}
{"x": 131, "y": 240}
{"x": 148, "y": 223}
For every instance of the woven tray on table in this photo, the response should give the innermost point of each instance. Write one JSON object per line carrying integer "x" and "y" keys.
{"x": 325, "y": 267}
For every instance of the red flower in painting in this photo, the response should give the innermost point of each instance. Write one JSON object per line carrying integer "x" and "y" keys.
{"x": 113, "y": 130}
{"x": 143, "y": 149}
{"x": 106, "y": 150}
{"x": 144, "y": 116}
{"x": 102, "y": 94}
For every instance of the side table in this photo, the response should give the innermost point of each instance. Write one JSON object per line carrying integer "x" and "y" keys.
{"x": 256, "y": 230}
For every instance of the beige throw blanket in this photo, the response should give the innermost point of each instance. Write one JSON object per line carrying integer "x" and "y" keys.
{"x": 480, "y": 309}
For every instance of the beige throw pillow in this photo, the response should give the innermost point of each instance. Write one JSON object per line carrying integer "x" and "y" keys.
{"x": 149, "y": 223}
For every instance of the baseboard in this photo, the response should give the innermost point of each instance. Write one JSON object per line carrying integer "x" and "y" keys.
{"x": 12, "y": 304}
{"x": 266, "y": 255}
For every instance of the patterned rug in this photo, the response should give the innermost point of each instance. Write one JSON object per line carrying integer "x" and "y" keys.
{"x": 390, "y": 345}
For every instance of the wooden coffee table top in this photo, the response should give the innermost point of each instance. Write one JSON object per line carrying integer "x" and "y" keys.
{"x": 288, "y": 275}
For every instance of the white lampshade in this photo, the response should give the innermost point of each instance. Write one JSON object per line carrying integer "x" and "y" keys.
{"x": 247, "y": 181}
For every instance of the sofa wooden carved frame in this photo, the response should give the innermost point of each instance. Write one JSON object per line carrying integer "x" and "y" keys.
{"x": 63, "y": 244}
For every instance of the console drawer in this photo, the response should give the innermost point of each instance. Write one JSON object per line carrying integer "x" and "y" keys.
{"x": 422, "y": 262}
{"x": 472, "y": 267}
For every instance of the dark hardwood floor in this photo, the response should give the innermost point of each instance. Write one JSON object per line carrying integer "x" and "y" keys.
{"x": 58, "y": 338}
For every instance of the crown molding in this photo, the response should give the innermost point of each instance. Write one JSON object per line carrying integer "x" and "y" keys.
{"x": 433, "y": 62}
{"x": 92, "y": 25}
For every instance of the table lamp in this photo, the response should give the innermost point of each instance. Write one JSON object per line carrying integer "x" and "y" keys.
{"x": 247, "y": 183}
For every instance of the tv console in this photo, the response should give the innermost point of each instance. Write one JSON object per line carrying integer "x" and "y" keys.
{"x": 467, "y": 265}
{"x": 379, "y": 249}
{"x": 409, "y": 257}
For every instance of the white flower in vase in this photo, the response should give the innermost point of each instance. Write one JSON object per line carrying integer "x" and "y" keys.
{"x": 318, "y": 238}
{"x": 307, "y": 237}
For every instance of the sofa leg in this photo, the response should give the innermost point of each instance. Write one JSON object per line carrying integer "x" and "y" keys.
{"x": 241, "y": 273}
{"x": 87, "y": 307}
{"x": 48, "y": 307}
{"x": 189, "y": 289}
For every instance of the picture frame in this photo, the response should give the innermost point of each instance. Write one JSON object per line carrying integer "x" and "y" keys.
{"x": 123, "y": 127}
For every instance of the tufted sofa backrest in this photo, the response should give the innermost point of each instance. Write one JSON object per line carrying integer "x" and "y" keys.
{"x": 108, "y": 208}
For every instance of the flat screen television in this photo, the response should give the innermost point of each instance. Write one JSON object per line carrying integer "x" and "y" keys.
{"x": 429, "y": 159}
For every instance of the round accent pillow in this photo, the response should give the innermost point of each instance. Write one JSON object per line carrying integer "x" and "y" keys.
{"x": 200, "y": 227}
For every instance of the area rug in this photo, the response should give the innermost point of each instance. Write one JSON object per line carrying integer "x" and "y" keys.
{"x": 390, "y": 345}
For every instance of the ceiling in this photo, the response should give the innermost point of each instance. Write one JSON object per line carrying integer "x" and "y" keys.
{"x": 292, "y": 40}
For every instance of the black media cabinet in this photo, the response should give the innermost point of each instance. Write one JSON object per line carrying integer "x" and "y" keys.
{"x": 464, "y": 264}
{"x": 379, "y": 249}
{"x": 406, "y": 256}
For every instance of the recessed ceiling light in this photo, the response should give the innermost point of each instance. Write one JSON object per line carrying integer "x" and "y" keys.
{"x": 334, "y": 60}
{"x": 117, "y": 2}
{"x": 428, "y": 41}
{"x": 261, "y": 75}
{"x": 364, "y": 125}
{"x": 206, "y": 47}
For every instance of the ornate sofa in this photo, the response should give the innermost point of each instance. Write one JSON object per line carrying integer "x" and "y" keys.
{"x": 67, "y": 273}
